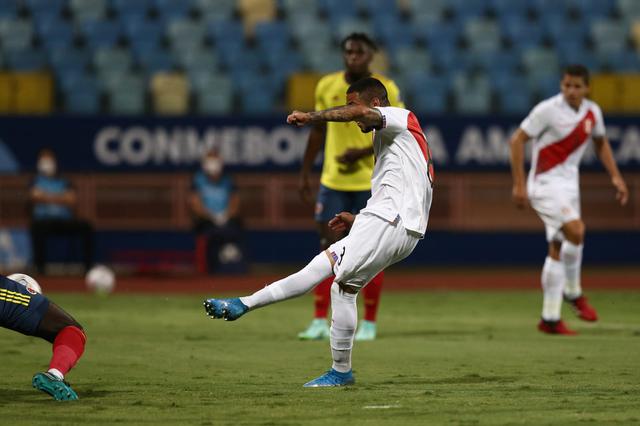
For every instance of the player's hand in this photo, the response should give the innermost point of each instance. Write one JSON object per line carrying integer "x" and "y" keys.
{"x": 622, "y": 193}
{"x": 299, "y": 118}
{"x": 341, "y": 222}
{"x": 519, "y": 196}
{"x": 304, "y": 189}
{"x": 350, "y": 156}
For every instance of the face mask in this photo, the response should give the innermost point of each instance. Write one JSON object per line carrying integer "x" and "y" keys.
{"x": 212, "y": 166}
{"x": 47, "y": 166}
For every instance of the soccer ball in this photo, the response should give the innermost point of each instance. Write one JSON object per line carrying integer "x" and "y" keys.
{"x": 101, "y": 279}
{"x": 32, "y": 285}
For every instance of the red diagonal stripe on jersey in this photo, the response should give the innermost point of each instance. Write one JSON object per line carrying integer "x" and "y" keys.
{"x": 414, "y": 127}
{"x": 556, "y": 153}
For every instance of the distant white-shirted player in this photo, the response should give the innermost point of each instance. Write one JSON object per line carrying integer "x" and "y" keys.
{"x": 383, "y": 233}
{"x": 561, "y": 127}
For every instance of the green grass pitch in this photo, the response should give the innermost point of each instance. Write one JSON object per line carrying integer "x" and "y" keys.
{"x": 451, "y": 358}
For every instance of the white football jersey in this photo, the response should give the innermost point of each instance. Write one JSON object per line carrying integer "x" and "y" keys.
{"x": 401, "y": 184}
{"x": 560, "y": 135}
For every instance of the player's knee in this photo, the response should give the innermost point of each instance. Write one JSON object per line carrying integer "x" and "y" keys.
{"x": 574, "y": 231}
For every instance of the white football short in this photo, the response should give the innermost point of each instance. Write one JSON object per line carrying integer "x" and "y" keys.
{"x": 372, "y": 245}
{"x": 556, "y": 208}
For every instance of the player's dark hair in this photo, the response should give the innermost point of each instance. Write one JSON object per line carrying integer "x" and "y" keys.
{"x": 577, "y": 70}
{"x": 361, "y": 37}
{"x": 370, "y": 88}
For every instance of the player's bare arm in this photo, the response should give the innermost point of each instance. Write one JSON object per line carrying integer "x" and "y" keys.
{"x": 519, "y": 190}
{"x": 603, "y": 149}
{"x": 370, "y": 117}
{"x": 314, "y": 144}
{"x": 352, "y": 155}
{"x": 342, "y": 222}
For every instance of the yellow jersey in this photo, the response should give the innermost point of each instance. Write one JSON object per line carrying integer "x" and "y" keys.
{"x": 331, "y": 91}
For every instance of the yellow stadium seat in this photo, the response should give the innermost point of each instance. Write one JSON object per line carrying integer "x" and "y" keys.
{"x": 605, "y": 91}
{"x": 254, "y": 11}
{"x": 6, "y": 93}
{"x": 630, "y": 93}
{"x": 170, "y": 93}
{"x": 300, "y": 91}
{"x": 33, "y": 93}
{"x": 380, "y": 63}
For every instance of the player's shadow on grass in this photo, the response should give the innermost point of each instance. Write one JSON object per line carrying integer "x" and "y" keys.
{"x": 10, "y": 396}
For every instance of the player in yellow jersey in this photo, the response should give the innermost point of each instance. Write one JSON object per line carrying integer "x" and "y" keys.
{"x": 345, "y": 183}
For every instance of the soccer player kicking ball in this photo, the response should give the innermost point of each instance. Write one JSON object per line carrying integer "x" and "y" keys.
{"x": 385, "y": 232}
{"x": 561, "y": 127}
{"x": 26, "y": 311}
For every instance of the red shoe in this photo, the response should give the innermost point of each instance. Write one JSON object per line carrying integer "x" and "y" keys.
{"x": 583, "y": 309}
{"x": 555, "y": 327}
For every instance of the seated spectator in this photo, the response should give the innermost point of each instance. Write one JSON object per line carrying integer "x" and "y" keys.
{"x": 215, "y": 205}
{"x": 54, "y": 200}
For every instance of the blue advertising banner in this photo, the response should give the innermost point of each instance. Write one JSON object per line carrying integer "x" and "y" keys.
{"x": 249, "y": 144}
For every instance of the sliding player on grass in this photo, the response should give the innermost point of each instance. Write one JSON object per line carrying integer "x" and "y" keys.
{"x": 385, "y": 232}
{"x": 561, "y": 126}
{"x": 26, "y": 311}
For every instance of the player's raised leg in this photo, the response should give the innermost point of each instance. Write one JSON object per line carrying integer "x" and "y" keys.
{"x": 571, "y": 256}
{"x": 68, "y": 339}
{"x": 292, "y": 286}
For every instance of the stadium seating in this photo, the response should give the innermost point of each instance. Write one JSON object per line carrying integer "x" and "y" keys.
{"x": 244, "y": 41}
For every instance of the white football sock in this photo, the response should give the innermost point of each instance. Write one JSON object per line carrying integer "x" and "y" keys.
{"x": 56, "y": 373}
{"x": 552, "y": 283}
{"x": 294, "y": 285}
{"x": 571, "y": 256}
{"x": 344, "y": 319}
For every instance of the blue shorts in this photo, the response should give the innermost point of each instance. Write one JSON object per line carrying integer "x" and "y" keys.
{"x": 20, "y": 310}
{"x": 331, "y": 202}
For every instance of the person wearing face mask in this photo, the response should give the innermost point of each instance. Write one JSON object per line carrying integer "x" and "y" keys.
{"x": 53, "y": 201}
{"x": 215, "y": 204}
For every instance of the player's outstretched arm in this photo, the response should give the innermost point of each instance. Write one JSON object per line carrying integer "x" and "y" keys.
{"x": 342, "y": 222}
{"x": 368, "y": 116}
{"x": 519, "y": 190}
{"x": 603, "y": 149}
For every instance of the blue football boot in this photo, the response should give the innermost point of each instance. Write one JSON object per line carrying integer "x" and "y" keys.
{"x": 229, "y": 309}
{"x": 332, "y": 378}
{"x": 58, "y": 389}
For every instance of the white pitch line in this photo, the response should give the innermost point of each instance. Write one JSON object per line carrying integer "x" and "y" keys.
{"x": 381, "y": 407}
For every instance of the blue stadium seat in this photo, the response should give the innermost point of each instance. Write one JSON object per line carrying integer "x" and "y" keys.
{"x": 323, "y": 61}
{"x": 550, "y": 8}
{"x": 225, "y": 30}
{"x": 196, "y": 59}
{"x": 55, "y": 33}
{"x": 186, "y": 34}
{"x": 515, "y": 102}
{"x": 573, "y": 52}
{"x": 99, "y": 34}
{"x": 271, "y": 36}
{"x": 609, "y": 35}
{"x": 132, "y": 7}
{"x": 300, "y": 8}
{"x": 91, "y": 10}
{"x": 143, "y": 32}
{"x": 411, "y": 59}
{"x": 215, "y": 10}
{"x": 26, "y": 60}
{"x": 126, "y": 94}
{"x": 544, "y": 85}
{"x": 344, "y": 27}
{"x": 44, "y": 7}
{"x": 521, "y": 32}
{"x": 559, "y": 29}
{"x": 629, "y": 10}
{"x": 393, "y": 34}
{"x": 338, "y": 10}
{"x": 214, "y": 99}
{"x": 441, "y": 34}
{"x": 447, "y": 59}
{"x": 375, "y": 8}
{"x": 472, "y": 93}
{"x": 116, "y": 60}
{"x": 16, "y": 34}
{"x": 154, "y": 60}
{"x": 83, "y": 97}
{"x": 426, "y": 11}
{"x": 482, "y": 35}
{"x": 9, "y": 8}
{"x": 308, "y": 29}
{"x": 590, "y": 9}
{"x": 429, "y": 93}
{"x": 618, "y": 61}
{"x": 540, "y": 61}
{"x": 515, "y": 9}
{"x": 65, "y": 59}
{"x": 465, "y": 9}
{"x": 172, "y": 9}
